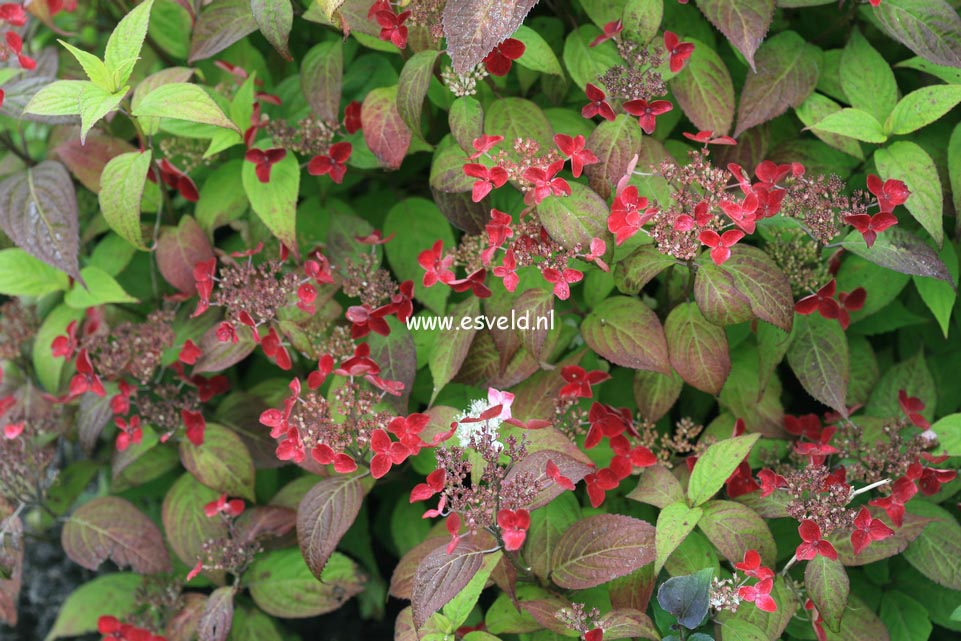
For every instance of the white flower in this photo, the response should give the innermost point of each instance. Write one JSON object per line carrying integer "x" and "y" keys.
{"x": 477, "y": 429}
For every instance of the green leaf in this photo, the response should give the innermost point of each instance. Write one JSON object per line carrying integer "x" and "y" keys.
{"x": 909, "y": 163}
{"x": 698, "y": 348}
{"x": 48, "y": 367}
{"x": 459, "y": 608}
{"x": 818, "y": 356}
{"x": 950, "y": 75}
{"x": 954, "y": 166}
{"x": 717, "y": 464}
{"x": 827, "y": 583}
{"x": 123, "y": 47}
{"x": 23, "y": 275}
{"x": 101, "y": 289}
{"x": 936, "y": 553}
{"x": 417, "y": 223}
{"x": 655, "y": 393}
{"x": 321, "y": 78}
{"x": 615, "y": 143}
{"x": 948, "y": 429}
{"x": 705, "y": 90}
{"x": 922, "y": 107}
{"x": 466, "y": 120}
{"x": 867, "y": 78}
{"x": 275, "y": 202}
{"x": 59, "y": 98}
{"x": 109, "y": 527}
{"x": 95, "y": 103}
{"x": 914, "y": 377}
{"x": 897, "y": 249}
{"x": 221, "y": 462}
{"x": 674, "y": 523}
{"x": 787, "y": 71}
{"x": 105, "y": 595}
{"x": 183, "y": 101}
{"x": 412, "y": 88}
{"x": 852, "y": 123}
{"x": 642, "y": 19}
{"x": 283, "y": 586}
{"x": 628, "y": 333}
{"x": 586, "y": 64}
{"x": 576, "y": 219}
{"x": 538, "y": 55}
{"x": 186, "y": 526}
{"x": 816, "y": 108}
{"x": 905, "y": 618}
{"x": 122, "y": 185}
{"x": 929, "y": 28}
{"x": 518, "y": 118}
{"x": 547, "y": 526}
{"x": 734, "y": 528}
{"x": 274, "y": 18}
{"x": 448, "y": 355}
{"x": 743, "y": 22}
{"x": 939, "y": 295}
{"x": 92, "y": 66}
{"x": 222, "y": 197}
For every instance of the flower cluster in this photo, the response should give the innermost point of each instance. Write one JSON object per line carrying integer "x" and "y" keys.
{"x": 113, "y": 629}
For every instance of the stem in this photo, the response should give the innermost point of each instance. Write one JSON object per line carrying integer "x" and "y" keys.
{"x": 868, "y": 488}
{"x": 7, "y": 142}
{"x": 790, "y": 563}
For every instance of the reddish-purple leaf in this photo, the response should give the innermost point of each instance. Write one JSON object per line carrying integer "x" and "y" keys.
{"x": 734, "y": 529}
{"x": 321, "y": 79}
{"x": 182, "y": 626}
{"x": 274, "y": 18}
{"x": 87, "y": 160}
{"x": 93, "y": 414}
{"x": 929, "y": 28}
{"x": 474, "y": 27}
{"x": 818, "y": 356}
{"x": 179, "y": 249}
{"x": 402, "y": 580}
{"x": 743, "y": 22}
{"x": 111, "y": 527}
{"x": 217, "y": 616}
{"x": 397, "y": 357}
{"x": 221, "y": 462}
{"x": 575, "y": 219}
{"x": 787, "y": 70}
{"x": 828, "y": 586}
{"x": 766, "y": 287}
{"x": 634, "y": 590}
{"x": 217, "y": 355}
{"x": 326, "y": 512}
{"x": 717, "y": 297}
{"x": 615, "y": 143}
{"x": 627, "y": 332}
{"x": 656, "y": 393}
{"x": 265, "y": 522}
{"x": 535, "y": 467}
{"x": 186, "y": 525}
{"x": 705, "y": 91}
{"x": 412, "y": 88}
{"x": 639, "y": 268}
{"x": 623, "y": 623}
{"x": 38, "y": 211}
{"x": 11, "y": 566}
{"x": 534, "y": 398}
{"x": 698, "y": 349}
{"x": 384, "y": 129}
{"x": 441, "y": 576}
{"x": 221, "y": 24}
{"x": 600, "y": 548}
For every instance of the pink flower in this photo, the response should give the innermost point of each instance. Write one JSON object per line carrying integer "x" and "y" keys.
{"x": 221, "y": 505}
{"x": 598, "y": 104}
{"x": 488, "y": 179}
{"x": 751, "y": 566}
{"x": 562, "y": 280}
{"x": 720, "y": 244}
{"x": 545, "y": 183}
{"x": 504, "y": 399}
{"x": 647, "y": 113}
{"x": 506, "y": 271}
{"x": 573, "y": 149}
{"x": 436, "y": 265}
{"x": 386, "y": 453}
{"x": 760, "y": 594}
{"x": 626, "y": 218}
{"x": 707, "y": 137}
{"x": 513, "y": 525}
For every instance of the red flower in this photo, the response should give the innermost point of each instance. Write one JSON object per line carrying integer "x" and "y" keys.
{"x": 598, "y": 105}
{"x": 436, "y": 481}
{"x": 579, "y": 381}
{"x": 352, "y": 122}
{"x": 770, "y": 481}
{"x": 868, "y": 529}
{"x": 562, "y": 280}
{"x": 176, "y": 179}
{"x": 871, "y": 226}
{"x": 720, "y": 244}
{"x": 679, "y": 51}
{"x": 195, "y": 426}
{"x": 227, "y": 333}
{"x": 545, "y": 183}
{"x": 751, "y": 566}
{"x": 760, "y": 594}
{"x": 640, "y": 456}
{"x": 436, "y": 265}
{"x": 392, "y": 27}
{"x": 890, "y": 193}
{"x": 85, "y": 380}
{"x": 851, "y": 301}
{"x": 611, "y": 30}
{"x": 813, "y": 544}
{"x": 189, "y": 353}
{"x": 488, "y": 179}
{"x": 325, "y": 455}
{"x": 483, "y": 144}
{"x": 573, "y": 148}
{"x": 506, "y": 271}
{"x": 901, "y": 492}
{"x": 364, "y": 320}
{"x": 498, "y": 231}
{"x": 741, "y": 481}
{"x": 554, "y": 474}
{"x": 822, "y": 302}
{"x": 318, "y": 268}
{"x": 513, "y": 525}
{"x": 597, "y": 634}
{"x": 13, "y": 430}
{"x": 598, "y": 483}
{"x": 706, "y": 137}
{"x": 912, "y": 408}
{"x": 647, "y": 113}
{"x": 474, "y": 282}
{"x": 816, "y": 618}
{"x": 742, "y": 213}
{"x": 453, "y": 527}
{"x": 130, "y": 432}
{"x": 274, "y": 349}
{"x": 65, "y": 345}
{"x": 13, "y": 14}
{"x": 265, "y": 159}
{"x": 626, "y": 217}
{"x": 15, "y": 43}
{"x": 221, "y": 505}
{"x": 386, "y": 453}
{"x": 499, "y": 61}
{"x": 333, "y": 163}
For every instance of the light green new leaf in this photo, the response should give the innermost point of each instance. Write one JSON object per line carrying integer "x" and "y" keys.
{"x": 101, "y": 289}
{"x": 92, "y": 66}
{"x": 538, "y": 55}
{"x": 674, "y": 523}
{"x": 123, "y": 47}
{"x": 23, "y": 275}
{"x": 922, "y": 107}
{"x": 867, "y": 78}
{"x": 95, "y": 103}
{"x": 122, "y": 184}
{"x": 60, "y": 98}
{"x": 909, "y": 163}
{"x": 717, "y": 464}
{"x": 940, "y": 295}
{"x": 852, "y": 123}
{"x": 183, "y": 101}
